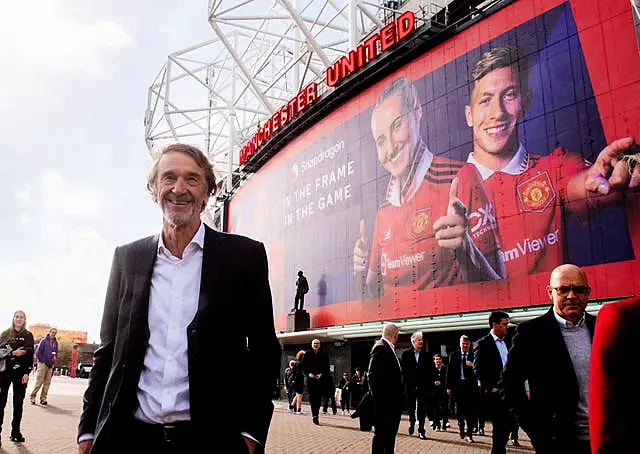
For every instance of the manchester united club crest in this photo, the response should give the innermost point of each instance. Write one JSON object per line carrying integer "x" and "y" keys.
{"x": 420, "y": 223}
{"x": 536, "y": 193}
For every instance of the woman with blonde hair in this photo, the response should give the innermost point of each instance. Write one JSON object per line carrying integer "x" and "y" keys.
{"x": 17, "y": 341}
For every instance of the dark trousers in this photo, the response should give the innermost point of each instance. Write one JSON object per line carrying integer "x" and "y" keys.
{"x": 12, "y": 378}
{"x": 345, "y": 400}
{"x": 386, "y": 428}
{"x": 466, "y": 396}
{"x": 502, "y": 422}
{"x": 515, "y": 427}
{"x": 417, "y": 403}
{"x": 315, "y": 395}
{"x": 484, "y": 407}
{"x": 440, "y": 416}
{"x": 300, "y": 299}
{"x": 330, "y": 397}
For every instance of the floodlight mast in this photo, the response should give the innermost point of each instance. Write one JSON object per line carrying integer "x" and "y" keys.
{"x": 216, "y": 93}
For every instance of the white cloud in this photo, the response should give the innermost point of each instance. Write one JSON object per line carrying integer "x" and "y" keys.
{"x": 43, "y": 38}
{"x": 44, "y": 33}
{"x": 65, "y": 198}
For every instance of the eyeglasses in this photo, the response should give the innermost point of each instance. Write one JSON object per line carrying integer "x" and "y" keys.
{"x": 564, "y": 290}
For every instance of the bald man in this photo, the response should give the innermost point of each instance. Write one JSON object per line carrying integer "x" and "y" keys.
{"x": 553, "y": 352}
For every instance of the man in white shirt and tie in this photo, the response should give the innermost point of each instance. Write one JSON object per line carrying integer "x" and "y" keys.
{"x": 463, "y": 387}
{"x": 490, "y": 355}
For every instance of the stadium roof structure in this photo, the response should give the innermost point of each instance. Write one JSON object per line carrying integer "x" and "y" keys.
{"x": 215, "y": 94}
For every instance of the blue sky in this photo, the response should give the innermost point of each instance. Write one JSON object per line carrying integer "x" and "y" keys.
{"x": 73, "y": 91}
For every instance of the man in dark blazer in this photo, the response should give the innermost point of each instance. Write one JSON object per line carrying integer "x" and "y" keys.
{"x": 416, "y": 369}
{"x": 613, "y": 405}
{"x": 171, "y": 318}
{"x": 489, "y": 357}
{"x": 440, "y": 399}
{"x": 463, "y": 387}
{"x": 315, "y": 367}
{"x": 552, "y": 352}
{"x": 387, "y": 391}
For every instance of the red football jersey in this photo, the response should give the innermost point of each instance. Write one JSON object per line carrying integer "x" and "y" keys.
{"x": 405, "y": 252}
{"x": 529, "y": 209}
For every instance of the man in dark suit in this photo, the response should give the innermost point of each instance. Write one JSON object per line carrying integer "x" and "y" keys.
{"x": 613, "y": 405}
{"x": 315, "y": 366}
{"x": 387, "y": 391}
{"x": 417, "y": 382}
{"x": 171, "y": 318}
{"x": 489, "y": 357}
{"x": 553, "y": 352}
{"x": 463, "y": 387}
{"x": 440, "y": 399}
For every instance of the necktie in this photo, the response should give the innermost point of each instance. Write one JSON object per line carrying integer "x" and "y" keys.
{"x": 464, "y": 362}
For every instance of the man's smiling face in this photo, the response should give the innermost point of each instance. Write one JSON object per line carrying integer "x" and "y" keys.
{"x": 497, "y": 105}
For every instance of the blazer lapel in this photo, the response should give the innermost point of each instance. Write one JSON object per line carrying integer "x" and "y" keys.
{"x": 211, "y": 265}
{"x": 145, "y": 258}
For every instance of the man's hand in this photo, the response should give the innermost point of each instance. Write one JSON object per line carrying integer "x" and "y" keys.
{"x": 451, "y": 229}
{"x": 312, "y": 376}
{"x": 449, "y": 393}
{"x": 84, "y": 447}
{"x": 437, "y": 383}
{"x": 19, "y": 352}
{"x": 25, "y": 379}
{"x": 610, "y": 171}
{"x": 494, "y": 390}
{"x": 361, "y": 252}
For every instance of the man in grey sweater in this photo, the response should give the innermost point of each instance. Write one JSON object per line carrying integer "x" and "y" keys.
{"x": 553, "y": 352}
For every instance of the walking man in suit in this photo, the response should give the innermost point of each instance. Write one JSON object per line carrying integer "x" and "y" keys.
{"x": 167, "y": 326}
{"x": 439, "y": 395}
{"x": 489, "y": 357}
{"x": 387, "y": 391}
{"x": 556, "y": 415}
{"x": 613, "y": 405}
{"x": 315, "y": 365}
{"x": 463, "y": 387}
{"x": 415, "y": 374}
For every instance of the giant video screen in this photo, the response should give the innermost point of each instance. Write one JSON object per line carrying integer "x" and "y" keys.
{"x": 460, "y": 181}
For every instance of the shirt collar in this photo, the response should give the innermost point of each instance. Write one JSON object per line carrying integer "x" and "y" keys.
{"x": 496, "y": 338}
{"x": 198, "y": 239}
{"x": 398, "y": 193}
{"x": 518, "y": 164}
{"x": 566, "y": 323}
{"x": 393, "y": 347}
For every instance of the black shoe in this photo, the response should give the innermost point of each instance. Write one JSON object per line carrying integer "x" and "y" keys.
{"x": 355, "y": 415}
{"x": 461, "y": 436}
{"x": 475, "y": 430}
{"x": 422, "y": 436}
{"x": 43, "y": 403}
{"x": 316, "y": 421}
{"x": 16, "y": 437}
{"x": 515, "y": 443}
{"x": 481, "y": 432}
{"x": 411, "y": 430}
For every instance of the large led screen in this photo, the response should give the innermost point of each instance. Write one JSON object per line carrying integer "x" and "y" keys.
{"x": 460, "y": 181}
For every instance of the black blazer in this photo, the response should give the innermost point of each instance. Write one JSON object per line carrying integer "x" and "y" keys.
{"x": 539, "y": 354}
{"x": 487, "y": 363}
{"x": 385, "y": 379}
{"x": 230, "y": 326}
{"x": 416, "y": 375}
{"x": 441, "y": 376}
{"x": 453, "y": 371}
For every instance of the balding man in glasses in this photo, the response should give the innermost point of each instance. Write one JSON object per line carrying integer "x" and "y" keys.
{"x": 556, "y": 416}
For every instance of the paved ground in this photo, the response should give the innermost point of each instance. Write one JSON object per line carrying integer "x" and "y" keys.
{"x": 52, "y": 430}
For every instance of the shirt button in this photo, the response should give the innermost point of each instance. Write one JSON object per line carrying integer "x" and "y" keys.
{"x": 179, "y": 265}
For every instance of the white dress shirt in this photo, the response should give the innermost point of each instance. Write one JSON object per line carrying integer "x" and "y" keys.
{"x": 502, "y": 348}
{"x": 163, "y": 389}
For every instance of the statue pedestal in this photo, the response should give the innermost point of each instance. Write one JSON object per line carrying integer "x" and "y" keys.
{"x": 298, "y": 320}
